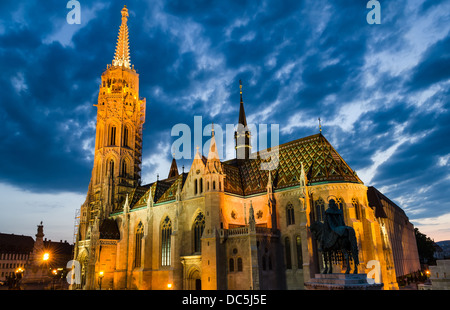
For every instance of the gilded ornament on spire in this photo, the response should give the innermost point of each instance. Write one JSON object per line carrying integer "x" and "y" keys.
{"x": 122, "y": 56}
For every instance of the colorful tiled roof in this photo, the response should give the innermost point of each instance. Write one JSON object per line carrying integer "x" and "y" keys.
{"x": 160, "y": 191}
{"x": 319, "y": 158}
{"x": 170, "y": 193}
{"x": 136, "y": 194}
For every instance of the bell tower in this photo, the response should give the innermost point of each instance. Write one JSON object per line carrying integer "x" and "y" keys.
{"x": 120, "y": 119}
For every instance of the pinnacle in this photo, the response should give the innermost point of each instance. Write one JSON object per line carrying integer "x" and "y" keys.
{"x": 122, "y": 55}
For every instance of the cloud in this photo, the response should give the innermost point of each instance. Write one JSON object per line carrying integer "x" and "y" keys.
{"x": 23, "y": 210}
{"x": 157, "y": 163}
{"x": 381, "y": 91}
{"x": 434, "y": 67}
{"x": 436, "y": 226}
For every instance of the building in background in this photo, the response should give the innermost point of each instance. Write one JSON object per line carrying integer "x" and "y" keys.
{"x": 396, "y": 227}
{"x": 440, "y": 275}
{"x": 32, "y": 261}
{"x": 15, "y": 252}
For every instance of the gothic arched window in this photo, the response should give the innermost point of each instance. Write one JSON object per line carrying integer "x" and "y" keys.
{"x": 112, "y": 135}
{"x": 195, "y": 187}
{"x": 124, "y": 168}
{"x": 197, "y": 228}
{"x": 138, "y": 244}
{"x": 239, "y": 264}
{"x": 201, "y": 185}
{"x": 231, "y": 265}
{"x": 320, "y": 209}
{"x": 290, "y": 214}
{"x": 125, "y": 136}
{"x": 166, "y": 234}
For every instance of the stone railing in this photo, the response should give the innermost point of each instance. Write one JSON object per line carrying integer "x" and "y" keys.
{"x": 244, "y": 230}
{"x": 237, "y": 231}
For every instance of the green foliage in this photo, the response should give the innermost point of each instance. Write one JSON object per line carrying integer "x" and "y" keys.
{"x": 425, "y": 247}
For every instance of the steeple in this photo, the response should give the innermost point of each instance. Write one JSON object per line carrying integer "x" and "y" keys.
{"x": 122, "y": 56}
{"x": 242, "y": 118}
{"x": 173, "y": 168}
{"x": 242, "y": 134}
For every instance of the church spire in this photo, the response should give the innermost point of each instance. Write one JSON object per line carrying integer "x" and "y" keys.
{"x": 122, "y": 56}
{"x": 242, "y": 134}
{"x": 242, "y": 118}
{"x": 173, "y": 168}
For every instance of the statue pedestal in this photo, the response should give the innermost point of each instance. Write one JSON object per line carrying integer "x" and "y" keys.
{"x": 341, "y": 281}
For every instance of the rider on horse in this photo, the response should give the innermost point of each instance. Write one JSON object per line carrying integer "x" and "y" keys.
{"x": 335, "y": 238}
{"x": 334, "y": 225}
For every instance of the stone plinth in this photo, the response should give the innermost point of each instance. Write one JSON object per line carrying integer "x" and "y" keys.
{"x": 341, "y": 281}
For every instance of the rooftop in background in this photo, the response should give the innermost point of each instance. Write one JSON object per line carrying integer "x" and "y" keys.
{"x": 11, "y": 243}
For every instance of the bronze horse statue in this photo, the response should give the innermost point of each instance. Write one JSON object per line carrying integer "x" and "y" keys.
{"x": 335, "y": 238}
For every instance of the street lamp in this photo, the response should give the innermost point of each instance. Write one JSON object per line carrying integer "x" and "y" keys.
{"x": 18, "y": 277}
{"x": 100, "y": 278}
{"x": 19, "y": 270}
{"x": 46, "y": 256}
{"x": 55, "y": 273}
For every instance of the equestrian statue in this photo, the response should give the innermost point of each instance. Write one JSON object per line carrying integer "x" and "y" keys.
{"x": 336, "y": 240}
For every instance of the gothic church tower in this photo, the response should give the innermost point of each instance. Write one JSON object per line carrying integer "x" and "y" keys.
{"x": 120, "y": 117}
{"x": 118, "y": 142}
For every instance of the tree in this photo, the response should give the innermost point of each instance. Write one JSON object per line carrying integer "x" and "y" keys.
{"x": 425, "y": 247}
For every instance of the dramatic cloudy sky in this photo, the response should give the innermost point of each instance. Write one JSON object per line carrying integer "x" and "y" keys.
{"x": 381, "y": 91}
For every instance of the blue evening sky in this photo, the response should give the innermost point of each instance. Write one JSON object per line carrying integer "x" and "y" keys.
{"x": 381, "y": 91}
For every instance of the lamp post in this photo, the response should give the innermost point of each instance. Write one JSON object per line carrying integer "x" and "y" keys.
{"x": 100, "y": 278}
{"x": 18, "y": 278}
{"x": 55, "y": 273}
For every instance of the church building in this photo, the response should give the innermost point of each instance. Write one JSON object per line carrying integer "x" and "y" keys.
{"x": 222, "y": 225}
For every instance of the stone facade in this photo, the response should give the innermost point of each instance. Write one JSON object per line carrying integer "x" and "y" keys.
{"x": 440, "y": 275}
